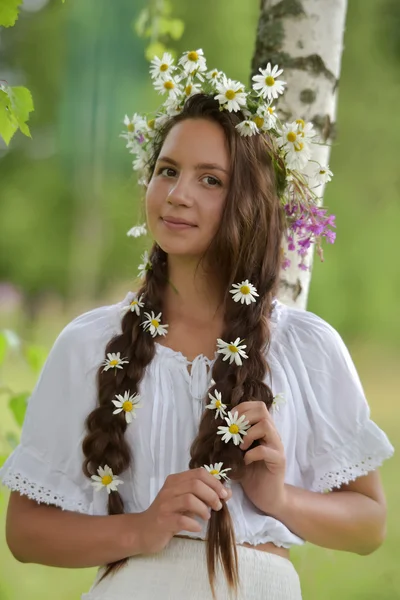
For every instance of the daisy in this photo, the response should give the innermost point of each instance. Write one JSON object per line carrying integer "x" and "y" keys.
{"x": 135, "y": 305}
{"x": 267, "y": 84}
{"x": 298, "y": 157}
{"x": 323, "y": 174}
{"x": 216, "y": 404}
{"x": 217, "y": 471}
{"x": 145, "y": 266}
{"x": 231, "y": 95}
{"x": 141, "y": 159}
{"x": 114, "y": 361}
{"x": 237, "y": 427}
{"x": 193, "y": 61}
{"x": 137, "y": 231}
{"x": 191, "y": 89}
{"x": 232, "y": 351}
{"x": 162, "y": 67}
{"x": 214, "y": 75}
{"x": 244, "y": 292}
{"x": 306, "y": 130}
{"x": 134, "y": 126}
{"x": 153, "y": 323}
{"x": 247, "y": 128}
{"x": 128, "y": 403}
{"x": 265, "y": 118}
{"x": 289, "y": 136}
{"x": 278, "y": 401}
{"x": 105, "y": 478}
{"x": 168, "y": 86}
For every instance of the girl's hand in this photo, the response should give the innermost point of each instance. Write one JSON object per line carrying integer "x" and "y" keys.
{"x": 264, "y": 477}
{"x": 183, "y": 496}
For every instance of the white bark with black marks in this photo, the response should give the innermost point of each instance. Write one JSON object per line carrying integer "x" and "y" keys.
{"x": 305, "y": 38}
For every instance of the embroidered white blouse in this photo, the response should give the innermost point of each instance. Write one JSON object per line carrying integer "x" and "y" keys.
{"x": 324, "y": 421}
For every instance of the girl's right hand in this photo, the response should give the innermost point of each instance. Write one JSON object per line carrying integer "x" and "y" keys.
{"x": 183, "y": 496}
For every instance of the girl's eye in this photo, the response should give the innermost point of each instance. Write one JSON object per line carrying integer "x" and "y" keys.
{"x": 212, "y": 181}
{"x": 169, "y": 171}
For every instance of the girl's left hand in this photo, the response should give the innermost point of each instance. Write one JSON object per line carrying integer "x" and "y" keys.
{"x": 266, "y": 463}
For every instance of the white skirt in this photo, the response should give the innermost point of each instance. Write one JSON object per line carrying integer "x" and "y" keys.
{"x": 179, "y": 572}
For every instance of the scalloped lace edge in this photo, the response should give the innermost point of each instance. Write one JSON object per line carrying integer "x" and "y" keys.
{"x": 19, "y": 483}
{"x": 333, "y": 479}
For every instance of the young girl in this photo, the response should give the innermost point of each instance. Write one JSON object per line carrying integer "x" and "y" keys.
{"x": 188, "y": 431}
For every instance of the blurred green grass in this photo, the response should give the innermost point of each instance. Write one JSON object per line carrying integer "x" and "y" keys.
{"x": 324, "y": 573}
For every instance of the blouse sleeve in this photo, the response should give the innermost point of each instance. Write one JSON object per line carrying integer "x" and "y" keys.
{"x": 336, "y": 439}
{"x": 47, "y": 464}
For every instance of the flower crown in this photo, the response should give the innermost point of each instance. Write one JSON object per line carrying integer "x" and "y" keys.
{"x": 290, "y": 145}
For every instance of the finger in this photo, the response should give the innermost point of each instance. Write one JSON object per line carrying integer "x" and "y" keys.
{"x": 214, "y": 483}
{"x": 186, "y": 523}
{"x": 252, "y": 411}
{"x": 201, "y": 490}
{"x": 263, "y": 430}
{"x": 189, "y": 503}
{"x": 274, "y": 458}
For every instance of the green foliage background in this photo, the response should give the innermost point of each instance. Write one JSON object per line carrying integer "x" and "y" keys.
{"x": 68, "y": 197}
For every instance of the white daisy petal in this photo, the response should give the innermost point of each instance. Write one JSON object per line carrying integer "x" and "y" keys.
{"x": 217, "y": 471}
{"x": 267, "y": 85}
{"x": 145, "y": 266}
{"x": 137, "y": 231}
{"x": 231, "y": 94}
{"x": 105, "y": 478}
{"x": 232, "y": 351}
{"x": 153, "y": 324}
{"x": 114, "y": 361}
{"x": 244, "y": 292}
{"x": 216, "y": 404}
{"x": 235, "y": 429}
{"x": 323, "y": 174}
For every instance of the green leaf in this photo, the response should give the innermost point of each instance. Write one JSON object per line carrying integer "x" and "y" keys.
{"x": 176, "y": 28}
{"x": 155, "y": 49}
{"x": 17, "y": 405}
{"x": 8, "y": 123}
{"x": 35, "y": 356}
{"x": 21, "y": 106}
{"x": 9, "y": 12}
{"x": 141, "y": 22}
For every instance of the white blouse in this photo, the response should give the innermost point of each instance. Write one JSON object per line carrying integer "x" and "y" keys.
{"x": 324, "y": 421}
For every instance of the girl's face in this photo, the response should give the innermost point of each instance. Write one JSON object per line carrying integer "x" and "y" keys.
{"x": 189, "y": 183}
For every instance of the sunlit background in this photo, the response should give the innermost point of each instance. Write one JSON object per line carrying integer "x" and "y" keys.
{"x": 68, "y": 197}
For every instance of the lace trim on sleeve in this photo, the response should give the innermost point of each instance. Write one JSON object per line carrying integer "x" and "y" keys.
{"x": 366, "y": 452}
{"x": 19, "y": 483}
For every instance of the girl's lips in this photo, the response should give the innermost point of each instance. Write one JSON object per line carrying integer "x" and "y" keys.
{"x": 175, "y": 226}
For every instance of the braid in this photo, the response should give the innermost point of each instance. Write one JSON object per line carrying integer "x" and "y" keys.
{"x": 105, "y": 441}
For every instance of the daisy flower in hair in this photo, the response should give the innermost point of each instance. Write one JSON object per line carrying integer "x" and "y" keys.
{"x": 232, "y": 350}
{"x": 214, "y": 75}
{"x": 162, "y": 67}
{"x": 323, "y": 174}
{"x": 265, "y": 118}
{"x": 137, "y": 231}
{"x": 218, "y": 471}
{"x": 105, "y": 478}
{"x": 134, "y": 305}
{"x": 168, "y": 86}
{"x": 216, "y": 404}
{"x": 267, "y": 84}
{"x": 234, "y": 430}
{"x": 278, "y": 401}
{"x": 192, "y": 61}
{"x": 127, "y": 403}
{"x": 231, "y": 94}
{"x": 153, "y": 324}
{"x": 247, "y": 128}
{"x": 114, "y": 361}
{"x": 145, "y": 266}
{"x": 244, "y": 292}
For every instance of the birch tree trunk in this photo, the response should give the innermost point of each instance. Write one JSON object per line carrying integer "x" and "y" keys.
{"x": 305, "y": 38}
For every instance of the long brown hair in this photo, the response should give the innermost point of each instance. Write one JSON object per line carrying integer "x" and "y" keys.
{"x": 247, "y": 245}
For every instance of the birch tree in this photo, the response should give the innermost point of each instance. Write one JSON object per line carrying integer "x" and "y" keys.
{"x": 305, "y": 38}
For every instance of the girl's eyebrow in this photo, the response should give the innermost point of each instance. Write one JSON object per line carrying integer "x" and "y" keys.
{"x": 213, "y": 166}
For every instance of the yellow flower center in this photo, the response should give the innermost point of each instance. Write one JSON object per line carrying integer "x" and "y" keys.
{"x": 269, "y": 80}
{"x": 245, "y": 289}
{"x": 230, "y": 94}
{"x": 151, "y": 123}
{"x": 127, "y": 406}
{"x": 270, "y": 110}
{"x": 214, "y": 74}
{"x": 169, "y": 85}
{"x": 131, "y": 127}
{"x": 300, "y": 122}
{"x": 299, "y": 147}
{"x": 259, "y": 121}
{"x": 291, "y": 136}
{"x": 233, "y": 429}
{"x": 134, "y": 302}
{"x": 114, "y": 362}
{"x": 193, "y": 56}
{"x": 232, "y": 348}
{"x": 218, "y": 404}
{"x": 164, "y": 67}
{"x": 106, "y": 479}
{"x": 188, "y": 89}
{"x": 214, "y": 472}
{"x": 155, "y": 323}
{"x": 322, "y": 172}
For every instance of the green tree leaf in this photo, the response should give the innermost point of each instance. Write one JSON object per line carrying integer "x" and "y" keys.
{"x": 3, "y": 346}
{"x": 8, "y": 123}
{"x": 9, "y": 12}
{"x": 35, "y": 356}
{"x": 17, "y": 405}
{"x": 15, "y": 105}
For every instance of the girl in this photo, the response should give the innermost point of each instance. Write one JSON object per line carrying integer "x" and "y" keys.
{"x": 189, "y": 431}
